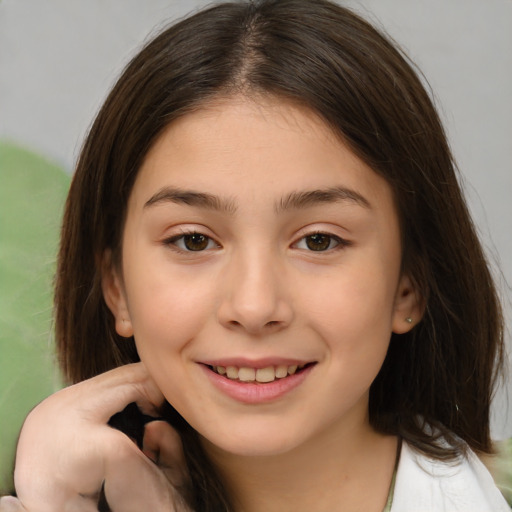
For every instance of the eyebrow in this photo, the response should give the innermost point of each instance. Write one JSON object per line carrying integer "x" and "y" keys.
{"x": 191, "y": 198}
{"x": 304, "y": 199}
{"x": 295, "y": 200}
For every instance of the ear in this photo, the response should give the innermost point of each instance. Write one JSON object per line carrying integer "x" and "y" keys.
{"x": 409, "y": 306}
{"x": 114, "y": 295}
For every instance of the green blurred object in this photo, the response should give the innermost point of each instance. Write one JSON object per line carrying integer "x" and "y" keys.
{"x": 32, "y": 195}
{"x": 501, "y": 468}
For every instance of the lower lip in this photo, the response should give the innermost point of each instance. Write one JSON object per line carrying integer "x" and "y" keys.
{"x": 254, "y": 392}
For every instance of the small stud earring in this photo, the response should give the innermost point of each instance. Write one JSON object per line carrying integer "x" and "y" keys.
{"x": 408, "y": 320}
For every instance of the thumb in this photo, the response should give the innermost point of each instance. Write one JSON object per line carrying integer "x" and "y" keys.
{"x": 162, "y": 444}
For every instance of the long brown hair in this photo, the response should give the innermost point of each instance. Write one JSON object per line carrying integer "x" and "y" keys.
{"x": 325, "y": 57}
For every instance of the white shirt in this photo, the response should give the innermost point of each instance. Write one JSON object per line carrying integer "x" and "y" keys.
{"x": 424, "y": 484}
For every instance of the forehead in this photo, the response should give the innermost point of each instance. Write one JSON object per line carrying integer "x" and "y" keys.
{"x": 256, "y": 148}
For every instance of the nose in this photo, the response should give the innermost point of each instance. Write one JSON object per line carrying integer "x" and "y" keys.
{"x": 255, "y": 296}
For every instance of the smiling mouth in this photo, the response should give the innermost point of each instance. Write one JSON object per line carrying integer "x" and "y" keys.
{"x": 259, "y": 375}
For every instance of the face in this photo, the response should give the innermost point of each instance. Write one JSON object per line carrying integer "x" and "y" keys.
{"x": 260, "y": 275}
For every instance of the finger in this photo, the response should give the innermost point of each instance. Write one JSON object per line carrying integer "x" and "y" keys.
{"x": 162, "y": 444}
{"x": 11, "y": 504}
{"x": 97, "y": 399}
{"x": 69, "y": 478}
{"x": 134, "y": 483}
{"x": 115, "y": 389}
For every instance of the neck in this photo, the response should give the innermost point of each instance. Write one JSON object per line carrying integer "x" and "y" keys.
{"x": 346, "y": 467}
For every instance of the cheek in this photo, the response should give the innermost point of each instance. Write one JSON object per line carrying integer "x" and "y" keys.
{"x": 352, "y": 313}
{"x": 167, "y": 310}
{"x": 166, "y": 320}
{"x": 352, "y": 303}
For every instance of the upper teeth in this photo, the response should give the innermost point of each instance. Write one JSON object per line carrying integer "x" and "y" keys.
{"x": 268, "y": 374}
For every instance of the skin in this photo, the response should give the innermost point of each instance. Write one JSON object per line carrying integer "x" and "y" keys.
{"x": 256, "y": 292}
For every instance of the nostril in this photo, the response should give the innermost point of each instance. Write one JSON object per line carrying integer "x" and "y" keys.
{"x": 268, "y": 325}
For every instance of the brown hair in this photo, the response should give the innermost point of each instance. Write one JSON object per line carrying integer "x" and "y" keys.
{"x": 323, "y": 56}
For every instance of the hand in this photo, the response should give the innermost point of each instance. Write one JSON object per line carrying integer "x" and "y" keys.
{"x": 11, "y": 504}
{"x": 67, "y": 452}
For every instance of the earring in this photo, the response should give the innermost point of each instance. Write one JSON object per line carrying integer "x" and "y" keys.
{"x": 408, "y": 320}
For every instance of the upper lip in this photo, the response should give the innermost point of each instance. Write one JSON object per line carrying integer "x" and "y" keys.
{"x": 241, "y": 362}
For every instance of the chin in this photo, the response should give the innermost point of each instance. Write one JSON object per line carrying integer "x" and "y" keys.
{"x": 254, "y": 442}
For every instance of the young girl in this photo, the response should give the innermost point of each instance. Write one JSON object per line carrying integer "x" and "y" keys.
{"x": 269, "y": 293}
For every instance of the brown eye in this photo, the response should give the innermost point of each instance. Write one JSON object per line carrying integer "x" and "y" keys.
{"x": 320, "y": 242}
{"x": 196, "y": 242}
{"x": 192, "y": 242}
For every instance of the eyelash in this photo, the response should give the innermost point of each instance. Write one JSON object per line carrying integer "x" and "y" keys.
{"x": 173, "y": 241}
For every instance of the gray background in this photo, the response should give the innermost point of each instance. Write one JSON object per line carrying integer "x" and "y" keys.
{"x": 59, "y": 57}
